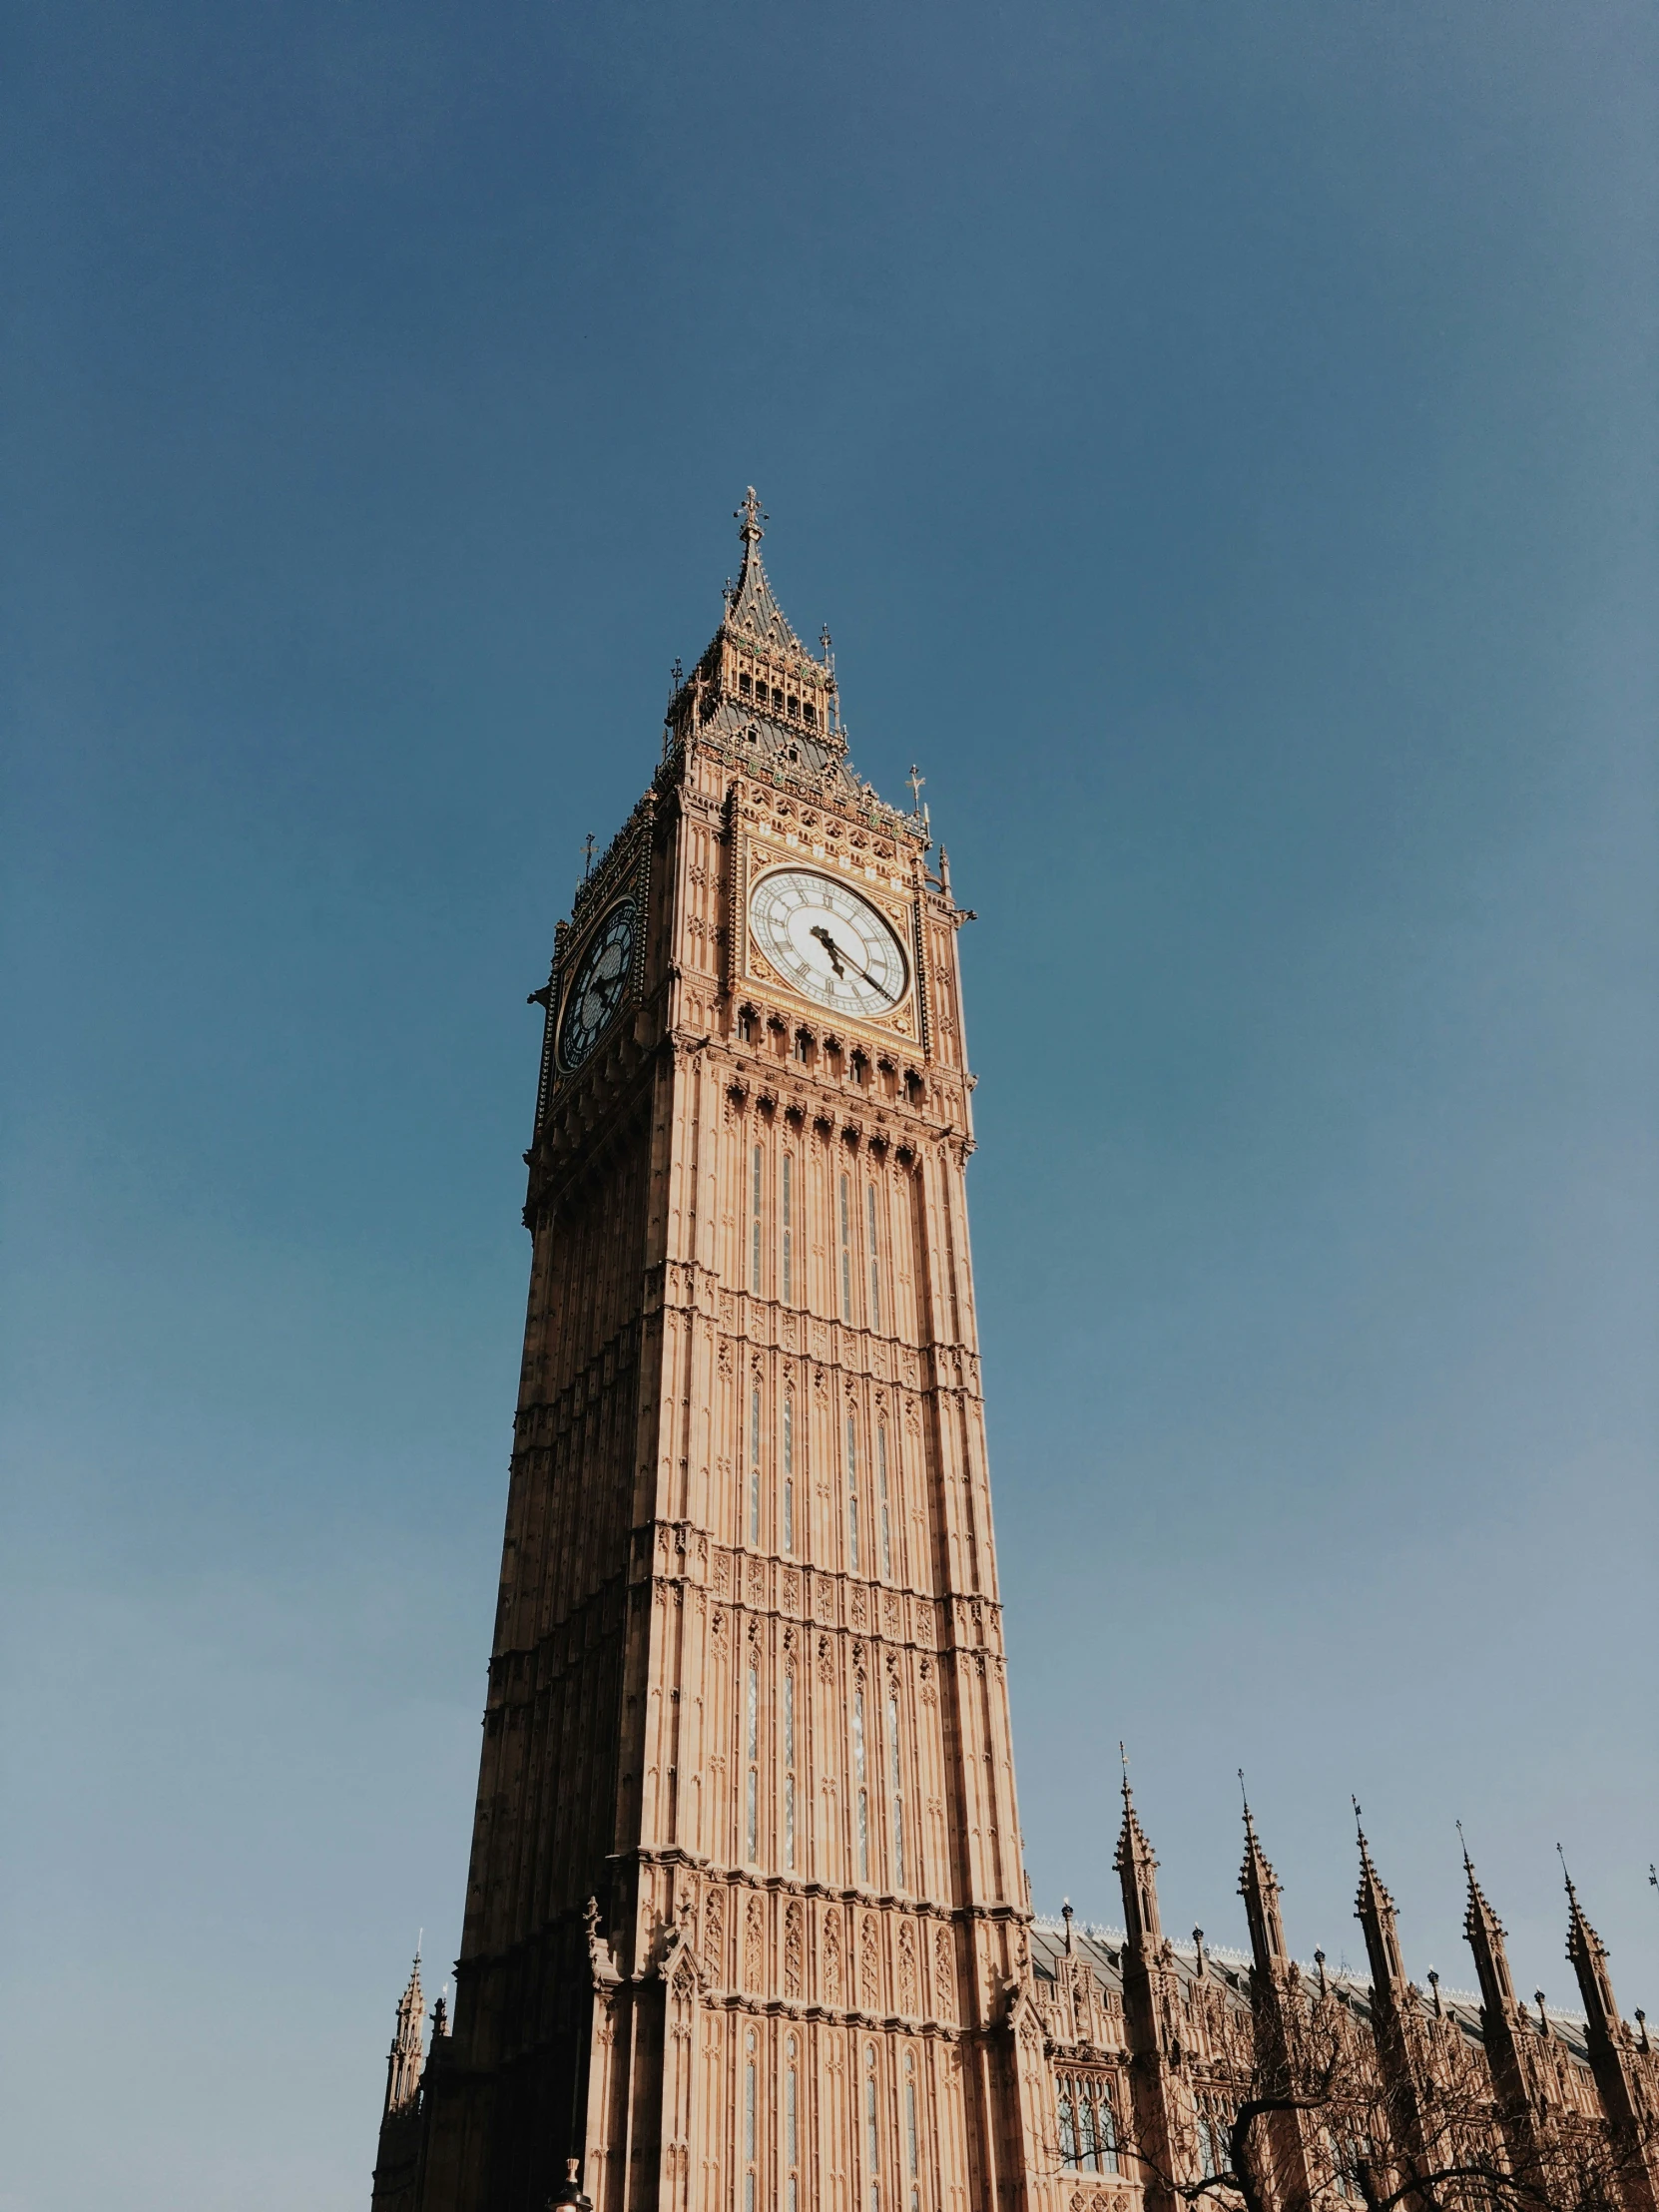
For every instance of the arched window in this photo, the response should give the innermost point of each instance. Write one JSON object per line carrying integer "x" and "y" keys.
{"x": 847, "y": 1249}
{"x": 1088, "y": 2126}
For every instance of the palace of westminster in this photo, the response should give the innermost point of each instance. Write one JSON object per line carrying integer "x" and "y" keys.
{"x": 747, "y": 1926}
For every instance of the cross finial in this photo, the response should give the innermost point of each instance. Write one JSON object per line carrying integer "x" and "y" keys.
{"x": 587, "y": 855}
{"x": 916, "y": 783}
{"x": 750, "y": 518}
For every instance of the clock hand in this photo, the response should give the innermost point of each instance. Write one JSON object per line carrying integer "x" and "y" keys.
{"x": 863, "y": 974}
{"x": 828, "y": 943}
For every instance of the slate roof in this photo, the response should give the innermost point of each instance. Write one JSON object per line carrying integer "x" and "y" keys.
{"x": 1103, "y": 1948}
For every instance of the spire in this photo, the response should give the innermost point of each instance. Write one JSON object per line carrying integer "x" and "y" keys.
{"x": 1259, "y": 1887}
{"x": 1588, "y": 1955}
{"x": 1137, "y": 1871}
{"x": 1374, "y": 1909}
{"x": 403, "y": 2061}
{"x": 1485, "y": 1937}
{"x": 753, "y": 614}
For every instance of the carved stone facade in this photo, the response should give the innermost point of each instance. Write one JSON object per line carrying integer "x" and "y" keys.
{"x": 747, "y": 1927}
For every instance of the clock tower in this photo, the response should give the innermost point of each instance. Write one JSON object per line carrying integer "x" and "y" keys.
{"x": 746, "y": 1920}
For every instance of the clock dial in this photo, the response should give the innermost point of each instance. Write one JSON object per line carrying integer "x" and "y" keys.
{"x": 828, "y": 942}
{"x": 596, "y": 994}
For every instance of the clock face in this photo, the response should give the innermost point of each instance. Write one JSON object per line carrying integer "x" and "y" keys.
{"x": 828, "y": 942}
{"x": 601, "y": 979}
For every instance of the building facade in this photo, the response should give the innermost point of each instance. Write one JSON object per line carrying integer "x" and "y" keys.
{"x": 747, "y": 1926}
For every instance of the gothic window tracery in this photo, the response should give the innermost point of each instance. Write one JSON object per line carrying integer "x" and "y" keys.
{"x": 1088, "y": 2124}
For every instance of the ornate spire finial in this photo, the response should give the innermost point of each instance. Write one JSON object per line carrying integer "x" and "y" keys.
{"x": 1565, "y": 1876}
{"x": 1245, "y": 1795}
{"x": 1123, "y": 1758}
{"x": 916, "y": 782}
{"x": 749, "y": 517}
{"x": 1065, "y": 1915}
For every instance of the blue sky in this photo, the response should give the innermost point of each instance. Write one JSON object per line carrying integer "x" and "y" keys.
{"x": 1222, "y": 441}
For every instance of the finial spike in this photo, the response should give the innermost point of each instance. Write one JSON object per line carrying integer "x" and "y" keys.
{"x": 750, "y": 518}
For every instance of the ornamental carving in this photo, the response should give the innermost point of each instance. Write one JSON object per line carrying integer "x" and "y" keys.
{"x": 713, "y": 1937}
{"x": 830, "y": 1971}
{"x": 752, "y": 1945}
{"x": 793, "y": 1951}
{"x": 945, "y": 1975}
{"x": 907, "y": 1969}
{"x": 870, "y": 1965}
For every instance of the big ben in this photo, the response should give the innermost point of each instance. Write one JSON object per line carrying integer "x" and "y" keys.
{"x": 746, "y": 1911}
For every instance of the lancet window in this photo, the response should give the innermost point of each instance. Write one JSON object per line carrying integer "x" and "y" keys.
{"x": 789, "y": 1470}
{"x": 755, "y": 1223}
{"x": 787, "y": 1254}
{"x": 750, "y": 2101}
{"x": 1088, "y": 2124}
{"x": 883, "y": 1500}
{"x": 755, "y": 1465}
{"x": 792, "y": 2130}
{"x": 875, "y": 1260}
{"x": 752, "y": 1766}
{"x": 789, "y": 1769}
{"x": 861, "y": 1778}
{"x": 852, "y": 1495}
{"x": 897, "y": 1795}
{"x": 846, "y": 1248}
{"x": 872, "y": 2129}
{"x": 913, "y": 2148}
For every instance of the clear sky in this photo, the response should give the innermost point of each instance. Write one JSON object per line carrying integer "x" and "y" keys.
{"x": 1221, "y": 438}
